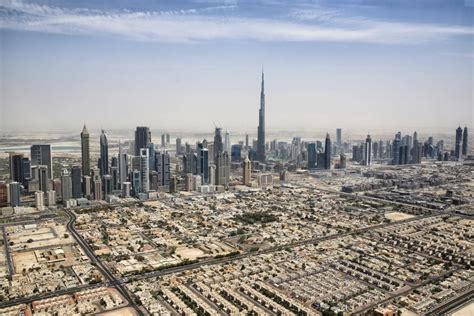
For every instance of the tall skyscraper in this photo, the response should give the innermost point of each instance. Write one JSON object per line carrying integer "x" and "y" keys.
{"x": 223, "y": 169}
{"x": 247, "y": 171}
{"x": 39, "y": 200}
{"x": 327, "y": 152}
{"x": 41, "y": 155}
{"x": 16, "y": 167}
{"x": 218, "y": 144}
{"x": 312, "y": 156}
{"x": 15, "y": 193}
{"x": 368, "y": 151}
{"x": 227, "y": 141}
{"x": 396, "y": 149}
{"x": 40, "y": 173}
{"x": 144, "y": 170}
{"x": 338, "y": 137}
{"x": 178, "y": 146}
{"x": 85, "y": 152}
{"x": 104, "y": 154}
{"x": 261, "y": 125}
{"x": 66, "y": 186}
{"x": 417, "y": 149}
{"x": 464, "y": 141}
{"x": 457, "y": 150}
{"x": 122, "y": 164}
{"x": 142, "y": 138}
{"x": 76, "y": 182}
{"x": 246, "y": 141}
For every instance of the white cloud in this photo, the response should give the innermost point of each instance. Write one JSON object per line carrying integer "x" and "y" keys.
{"x": 200, "y": 25}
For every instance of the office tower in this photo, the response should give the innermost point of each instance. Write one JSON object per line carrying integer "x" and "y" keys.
{"x": 167, "y": 138}
{"x": 174, "y": 184}
{"x": 126, "y": 186}
{"x": 40, "y": 173}
{"x": 404, "y": 158}
{"x": 51, "y": 198}
{"x": 204, "y": 165}
{"x": 247, "y": 172}
{"x": 223, "y": 169}
{"x": 16, "y": 167}
{"x": 368, "y": 151}
{"x": 212, "y": 174}
{"x": 327, "y": 153}
{"x": 218, "y": 144}
{"x": 236, "y": 153}
{"x": 339, "y": 137}
{"x": 396, "y": 149}
{"x": 115, "y": 177}
{"x": 342, "y": 161}
{"x": 375, "y": 148}
{"x": 3, "y": 194}
{"x": 87, "y": 186}
{"x": 246, "y": 141}
{"x": 144, "y": 170}
{"x": 151, "y": 156}
{"x": 163, "y": 140}
{"x": 381, "y": 150}
{"x": 56, "y": 187}
{"x": 261, "y": 125}
{"x": 85, "y": 152}
{"x": 457, "y": 150}
{"x": 227, "y": 141}
{"x": 26, "y": 169}
{"x": 464, "y": 141}
{"x": 107, "y": 184}
{"x": 104, "y": 154}
{"x": 15, "y": 193}
{"x": 142, "y": 138}
{"x": 66, "y": 186}
{"x": 163, "y": 170}
{"x": 97, "y": 188}
{"x": 122, "y": 164}
{"x": 312, "y": 156}
{"x": 178, "y": 146}
{"x": 39, "y": 200}
{"x": 76, "y": 182}
{"x": 41, "y": 155}
{"x": 136, "y": 182}
{"x": 417, "y": 149}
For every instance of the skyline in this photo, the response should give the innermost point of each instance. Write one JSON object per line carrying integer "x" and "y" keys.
{"x": 410, "y": 71}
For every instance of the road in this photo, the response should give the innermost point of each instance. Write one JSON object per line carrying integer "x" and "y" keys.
{"x": 95, "y": 261}
{"x": 8, "y": 256}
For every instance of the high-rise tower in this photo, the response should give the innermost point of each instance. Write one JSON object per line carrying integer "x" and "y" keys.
{"x": 142, "y": 138}
{"x": 41, "y": 155}
{"x": 85, "y": 152}
{"x": 104, "y": 154}
{"x": 457, "y": 150}
{"x": 327, "y": 152}
{"x": 368, "y": 151}
{"x": 261, "y": 125}
{"x": 464, "y": 142}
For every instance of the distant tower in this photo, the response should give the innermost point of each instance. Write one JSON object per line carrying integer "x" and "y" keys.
{"x": 144, "y": 170}
{"x": 76, "y": 182}
{"x": 368, "y": 151}
{"x": 247, "y": 166}
{"x": 104, "y": 154}
{"x": 218, "y": 144}
{"x": 338, "y": 137}
{"x": 66, "y": 186}
{"x": 312, "y": 156}
{"x": 227, "y": 141}
{"x": 457, "y": 150}
{"x": 396, "y": 149}
{"x": 223, "y": 169}
{"x": 142, "y": 138}
{"x": 15, "y": 193}
{"x": 261, "y": 125}
{"x": 327, "y": 152}
{"x": 85, "y": 150}
{"x": 464, "y": 142}
{"x": 122, "y": 164}
{"x": 41, "y": 155}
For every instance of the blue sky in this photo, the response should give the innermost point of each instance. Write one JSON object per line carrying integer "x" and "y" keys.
{"x": 188, "y": 64}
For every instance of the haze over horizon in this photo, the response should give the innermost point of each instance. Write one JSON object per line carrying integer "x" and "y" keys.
{"x": 187, "y": 65}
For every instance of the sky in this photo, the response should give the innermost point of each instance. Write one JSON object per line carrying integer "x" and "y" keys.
{"x": 190, "y": 65}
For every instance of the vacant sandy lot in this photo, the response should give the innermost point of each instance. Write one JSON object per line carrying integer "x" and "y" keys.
{"x": 397, "y": 216}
